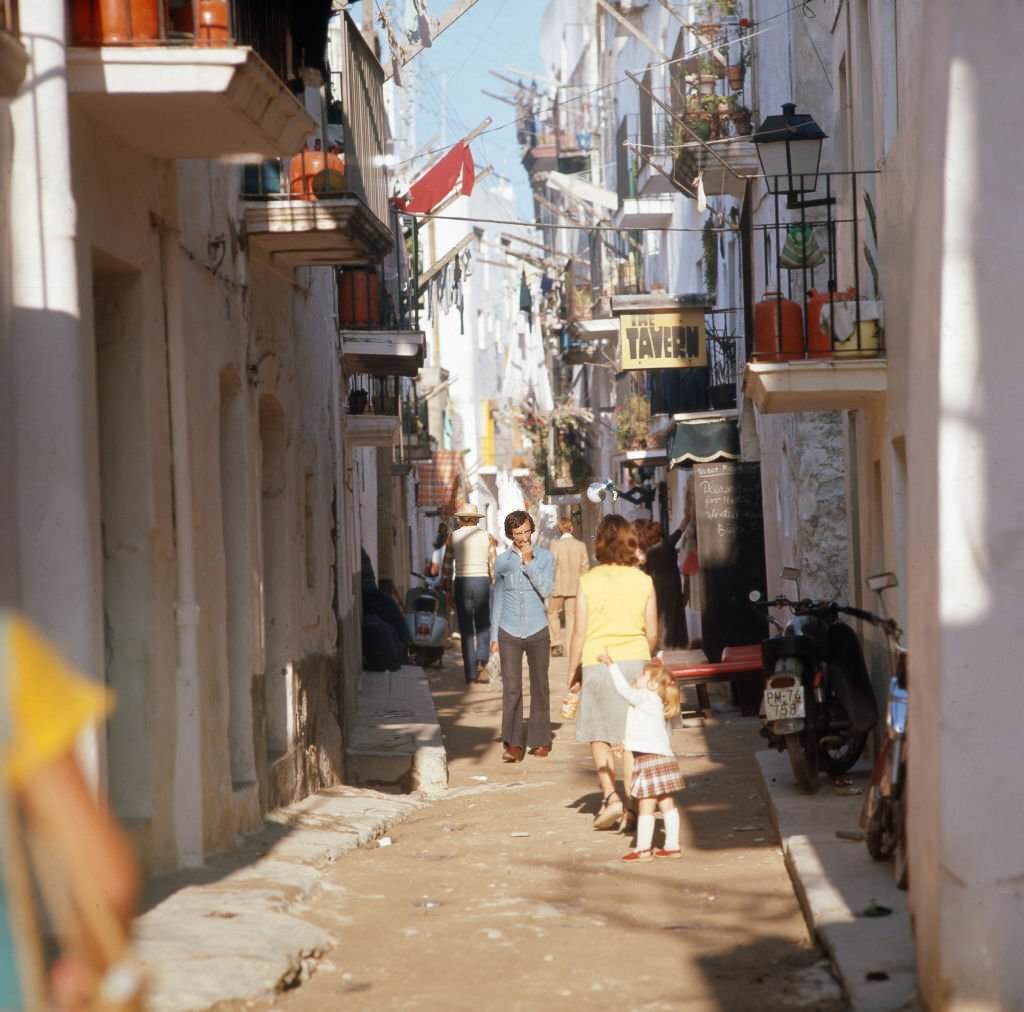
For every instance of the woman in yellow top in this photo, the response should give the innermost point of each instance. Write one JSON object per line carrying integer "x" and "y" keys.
{"x": 615, "y": 614}
{"x": 44, "y": 705}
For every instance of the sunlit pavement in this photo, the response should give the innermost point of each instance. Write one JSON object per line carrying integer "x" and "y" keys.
{"x": 504, "y": 897}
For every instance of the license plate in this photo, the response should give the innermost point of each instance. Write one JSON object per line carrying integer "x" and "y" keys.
{"x": 784, "y": 704}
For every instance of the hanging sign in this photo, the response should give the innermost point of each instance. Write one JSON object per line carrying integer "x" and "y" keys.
{"x": 664, "y": 339}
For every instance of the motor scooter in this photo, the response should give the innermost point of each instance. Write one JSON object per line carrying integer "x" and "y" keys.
{"x": 426, "y": 617}
{"x": 884, "y": 814}
{"x": 818, "y": 704}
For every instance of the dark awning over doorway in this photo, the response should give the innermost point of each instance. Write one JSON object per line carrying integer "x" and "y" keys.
{"x": 703, "y": 441}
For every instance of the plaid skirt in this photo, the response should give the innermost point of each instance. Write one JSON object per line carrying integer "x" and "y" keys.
{"x": 654, "y": 776}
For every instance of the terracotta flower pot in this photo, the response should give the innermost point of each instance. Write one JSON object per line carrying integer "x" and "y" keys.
{"x": 736, "y": 73}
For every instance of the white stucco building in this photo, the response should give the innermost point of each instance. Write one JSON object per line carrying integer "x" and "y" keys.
{"x": 185, "y": 479}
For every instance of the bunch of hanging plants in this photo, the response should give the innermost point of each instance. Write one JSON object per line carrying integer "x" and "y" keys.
{"x": 633, "y": 422}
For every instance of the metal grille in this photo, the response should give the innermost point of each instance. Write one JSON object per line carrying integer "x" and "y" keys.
{"x": 365, "y": 122}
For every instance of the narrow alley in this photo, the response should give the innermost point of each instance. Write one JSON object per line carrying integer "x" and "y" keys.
{"x": 503, "y": 897}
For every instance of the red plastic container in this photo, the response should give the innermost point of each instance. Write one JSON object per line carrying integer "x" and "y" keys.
{"x": 819, "y": 342}
{"x": 358, "y": 299}
{"x": 315, "y": 174}
{"x": 214, "y": 23}
{"x": 115, "y": 22}
{"x": 770, "y": 343}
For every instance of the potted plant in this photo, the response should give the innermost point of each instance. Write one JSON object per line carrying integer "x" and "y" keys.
{"x": 357, "y": 401}
{"x": 709, "y": 239}
{"x": 741, "y": 119}
{"x": 632, "y": 422}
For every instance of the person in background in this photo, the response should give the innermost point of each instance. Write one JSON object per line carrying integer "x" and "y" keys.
{"x": 44, "y": 705}
{"x": 571, "y": 562}
{"x": 468, "y": 564}
{"x": 615, "y": 614}
{"x": 662, "y": 565}
{"x": 438, "y": 552}
{"x": 523, "y": 576}
{"x": 640, "y": 530}
{"x": 693, "y": 578}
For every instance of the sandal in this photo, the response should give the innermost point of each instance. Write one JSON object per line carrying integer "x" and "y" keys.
{"x": 638, "y": 856}
{"x": 610, "y": 812}
{"x": 627, "y": 824}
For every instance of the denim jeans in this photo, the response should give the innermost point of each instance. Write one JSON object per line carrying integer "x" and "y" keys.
{"x": 537, "y": 649}
{"x": 473, "y": 607}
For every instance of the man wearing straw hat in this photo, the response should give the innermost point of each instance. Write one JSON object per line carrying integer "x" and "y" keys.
{"x": 470, "y": 554}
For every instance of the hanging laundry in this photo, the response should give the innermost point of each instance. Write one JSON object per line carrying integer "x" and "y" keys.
{"x": 525, "y": 299}
{"x": 800, "y": 249}
{"x": 456, "y": 168}
{"x": 422, "y": 33}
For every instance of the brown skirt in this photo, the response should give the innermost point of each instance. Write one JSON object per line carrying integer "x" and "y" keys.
{"x": 655, "y": 776}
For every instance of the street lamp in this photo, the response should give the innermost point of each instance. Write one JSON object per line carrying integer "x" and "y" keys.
{"x": 789, "y": 149}
{"x": 598, "y": 492}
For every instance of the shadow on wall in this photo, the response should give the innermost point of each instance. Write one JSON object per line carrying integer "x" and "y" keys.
{"x": 316, "y": 757}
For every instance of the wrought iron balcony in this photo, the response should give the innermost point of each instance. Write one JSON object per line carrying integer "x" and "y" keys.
{"x": 416, "y": 443}
{"x": 328, "y": 206}
{"x": 703, "y": 388}
{"x": 190, "y": 78}
{"x": 819, "y": 339}
{"x": 372, "y": 410}
{"x": 640, "y": 151}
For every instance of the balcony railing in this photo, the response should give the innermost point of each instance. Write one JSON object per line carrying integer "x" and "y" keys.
{"x": 819, "y": 269}
{"x": 556, "y": 134}
{"x": 365, "y": 120}
{"x": 193, "y": 78}
{"x": 9, "y": 16}
{"x": 337, "y": 167}
{"x": 416, "y": 442}
{"x": 373, "y": 395}
{"x": 702, "y": 388}
{"x": 641, "y": 137}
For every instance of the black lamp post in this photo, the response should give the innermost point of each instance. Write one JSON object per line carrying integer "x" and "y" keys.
{"x": 789, "y": 149}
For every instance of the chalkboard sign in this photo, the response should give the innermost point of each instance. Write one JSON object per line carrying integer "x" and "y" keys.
{"x": 730, "y": 547}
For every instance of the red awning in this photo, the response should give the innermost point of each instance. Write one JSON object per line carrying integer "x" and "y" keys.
{"x": 441, "y": 481}
{"x": 454, "y": 169}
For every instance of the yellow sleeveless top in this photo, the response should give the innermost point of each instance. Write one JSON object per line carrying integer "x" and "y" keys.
{"x": 616, "y": 600}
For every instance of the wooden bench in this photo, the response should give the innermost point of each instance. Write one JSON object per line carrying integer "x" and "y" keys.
{"x": 691, "y": 667}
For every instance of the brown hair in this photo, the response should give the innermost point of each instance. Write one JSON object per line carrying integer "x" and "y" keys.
{"x": 665, "y": 686}
{"x": 615, "y": 543}
{"x": 515, "y": 520}
{"x": 565, "y": 524}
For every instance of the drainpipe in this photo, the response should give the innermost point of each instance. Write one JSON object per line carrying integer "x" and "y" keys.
{"x": 53, "y": 373}
{"x": 188, "y": 774}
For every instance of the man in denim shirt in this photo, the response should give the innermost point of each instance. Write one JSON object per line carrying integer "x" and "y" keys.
{"x": 523, "y": 578}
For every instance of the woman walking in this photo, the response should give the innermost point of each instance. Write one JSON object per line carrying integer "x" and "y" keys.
{"x": 523, "y": 578}
{"x": 615, "y": 614}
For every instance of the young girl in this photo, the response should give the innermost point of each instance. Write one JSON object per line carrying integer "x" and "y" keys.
{"x": 653, "y": 700}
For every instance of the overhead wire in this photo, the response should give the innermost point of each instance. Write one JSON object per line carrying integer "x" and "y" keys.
{"x": 803, "y": 5}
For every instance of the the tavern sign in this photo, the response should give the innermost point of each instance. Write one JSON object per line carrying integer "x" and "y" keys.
{"x": 667, "y": 339}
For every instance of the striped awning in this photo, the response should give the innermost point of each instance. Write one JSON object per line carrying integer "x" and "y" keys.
{"x": 703, "y": 441}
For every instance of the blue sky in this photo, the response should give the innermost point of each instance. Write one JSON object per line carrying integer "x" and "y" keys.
{"x": 494, "y": 34}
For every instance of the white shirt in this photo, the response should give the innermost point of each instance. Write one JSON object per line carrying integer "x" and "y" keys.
{"x": 646, "y": 727}
{"x": 471, "y": 546}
